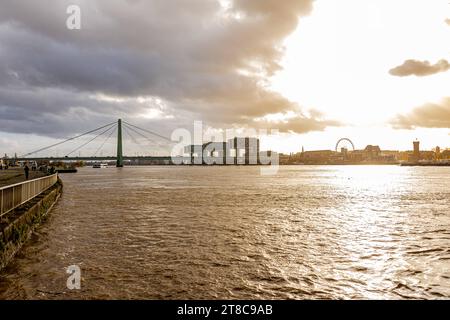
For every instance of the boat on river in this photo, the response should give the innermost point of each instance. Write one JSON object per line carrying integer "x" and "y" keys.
{"x": 100, "y": 165}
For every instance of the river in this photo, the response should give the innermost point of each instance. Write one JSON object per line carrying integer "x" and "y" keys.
{"x": 183, "y": 232}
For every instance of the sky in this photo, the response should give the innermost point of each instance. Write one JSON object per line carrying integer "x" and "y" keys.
{"x": 375, "y": 71}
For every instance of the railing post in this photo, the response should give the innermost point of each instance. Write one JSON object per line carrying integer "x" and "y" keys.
{"x": 28, "y": 190}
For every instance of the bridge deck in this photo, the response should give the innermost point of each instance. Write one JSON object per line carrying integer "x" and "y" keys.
{"x": 93, "y": 158}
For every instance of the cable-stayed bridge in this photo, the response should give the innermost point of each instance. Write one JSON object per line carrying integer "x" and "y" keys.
{"x": 104, "y": 134}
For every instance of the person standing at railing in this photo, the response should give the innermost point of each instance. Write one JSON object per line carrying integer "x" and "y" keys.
{"x": 27, "y": 171}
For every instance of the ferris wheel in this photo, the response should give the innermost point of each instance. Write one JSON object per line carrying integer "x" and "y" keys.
{"x": 344, "y": 143}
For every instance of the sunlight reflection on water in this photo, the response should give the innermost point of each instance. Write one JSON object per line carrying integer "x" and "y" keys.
{"x": 227, "y": 232}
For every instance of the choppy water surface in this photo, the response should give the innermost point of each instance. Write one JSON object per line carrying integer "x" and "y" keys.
{"x": 228, "y": 232}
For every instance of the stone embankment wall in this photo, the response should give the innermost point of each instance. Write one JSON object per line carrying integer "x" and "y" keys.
{"x": 17, "y": 225}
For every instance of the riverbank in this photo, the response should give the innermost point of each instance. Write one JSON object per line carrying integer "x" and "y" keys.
{"x": 16, "y": 175}
{"x": 16, "y": 226}
{"x": 425, "y": 164}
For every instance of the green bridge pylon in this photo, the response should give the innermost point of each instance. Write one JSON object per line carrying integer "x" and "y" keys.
{"x": 119, "y": 162}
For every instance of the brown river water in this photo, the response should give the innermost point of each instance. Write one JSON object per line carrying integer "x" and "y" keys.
{"x": 180, "y": 232}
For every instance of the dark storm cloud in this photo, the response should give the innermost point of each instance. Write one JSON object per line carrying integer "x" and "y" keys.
{"x": 419, "y": 68}
{"x": 207, "y": 61}
{"x": 59, "y": 113}
{"x": 430, "y": 115}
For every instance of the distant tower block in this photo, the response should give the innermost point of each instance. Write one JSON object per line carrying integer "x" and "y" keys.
{"x": 416, "y": 152}
{"x": 344, "y": 153}
{"x": 247, "y": 150}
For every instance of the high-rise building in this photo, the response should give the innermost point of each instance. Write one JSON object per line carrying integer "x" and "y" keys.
{"x": 416, "y": 152}
{"x": 437, "y": 153}
{"x": 344, "y": 153}
{"x": 246, "y": 150}
{"x": 235, "y": 151}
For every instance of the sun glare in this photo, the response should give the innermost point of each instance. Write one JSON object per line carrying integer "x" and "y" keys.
{"x": 339, "y": 58}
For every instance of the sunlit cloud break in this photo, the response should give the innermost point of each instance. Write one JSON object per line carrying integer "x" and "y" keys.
{"x": 429, "y": 115}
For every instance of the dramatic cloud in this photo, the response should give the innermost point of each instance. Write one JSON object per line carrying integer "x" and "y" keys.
{"x": 419, "y": 68}
{"x": 430, "y": 115}
{"x": 205, "y": 60}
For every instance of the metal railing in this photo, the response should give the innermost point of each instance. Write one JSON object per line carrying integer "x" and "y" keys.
{"x": 17, "y": 194}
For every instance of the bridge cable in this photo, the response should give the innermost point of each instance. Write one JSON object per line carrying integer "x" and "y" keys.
{"x": 136, "y": 141}
{"x": 81, "y": 146}
{"x": 107, "y": 138}
{"x": 127, "y": 131}
{"x": 148, "y": 131}
{"x": 147, "y": 138}
{"x": 69, "y": 139}
{"x": 139, "y": 133}
{"x": 158, "y": 146}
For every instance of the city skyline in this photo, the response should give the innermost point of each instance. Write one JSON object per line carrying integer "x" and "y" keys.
{"x": 310, "y": 69}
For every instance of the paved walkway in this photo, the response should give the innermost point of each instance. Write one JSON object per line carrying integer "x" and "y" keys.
{"x": 15, "y": 175}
